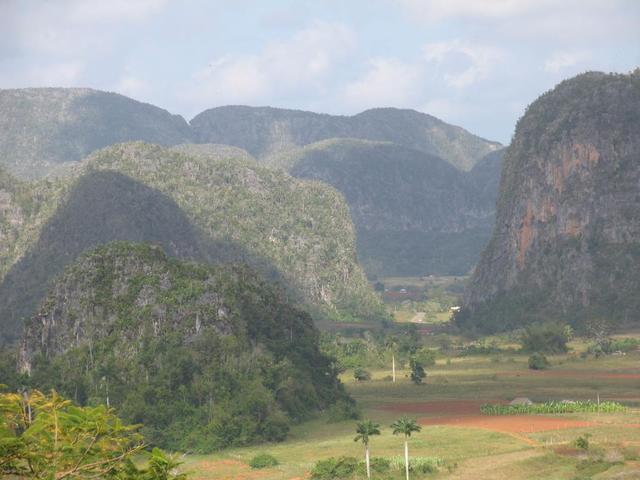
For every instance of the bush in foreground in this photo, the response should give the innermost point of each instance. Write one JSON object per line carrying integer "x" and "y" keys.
{"x": 47, "y": 437}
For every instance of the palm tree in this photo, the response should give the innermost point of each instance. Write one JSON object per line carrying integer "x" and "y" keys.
{"x": 405, "y": 426}
{"x": 366, "y": 429}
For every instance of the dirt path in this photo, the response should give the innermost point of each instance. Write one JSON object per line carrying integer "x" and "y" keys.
{"x": 481, "y": 468}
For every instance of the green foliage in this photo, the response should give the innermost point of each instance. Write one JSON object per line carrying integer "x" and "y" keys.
{"x": 361, "y": 375}
{"x": 417, "y": 372}
{"x": 46, "y": 437}
{"x": 263, "y": 460}
{"x": 425, "y": 357}
{"x": 365, "y": 430}
{"x": 405, "y": 426}
{"x": 213, "y": 357}
{"x": 538, "y": 361}
{"x": 548, "y": 338}
{"x": 421, "y": 465}
{"x": 582, "y": 442}
{"x": 332, "y": 468}
{"x": 344, "y": 409}
{"x": 554, "y": 407}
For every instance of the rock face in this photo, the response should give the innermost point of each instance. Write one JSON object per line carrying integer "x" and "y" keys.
{"x": 266, "y": 131}
{"x": 41, "y": 128}
{"x": 415, "y": 214}
{"x": 567, "y": 239}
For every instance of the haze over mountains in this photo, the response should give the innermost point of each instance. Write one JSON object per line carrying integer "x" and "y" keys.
{"x": 426, "y": 167}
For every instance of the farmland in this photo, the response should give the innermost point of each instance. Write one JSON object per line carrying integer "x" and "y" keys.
{"x": 472, "y": 445}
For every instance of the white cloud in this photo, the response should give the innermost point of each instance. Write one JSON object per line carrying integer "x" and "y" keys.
{"x": 436, "y": 10}
{"x": 306, "y": 60}
{"x": 462, "y": 64}
{"x": 542, "y": 21}
{"x": 387, "y": 82}
{"x": 562, "y": 60}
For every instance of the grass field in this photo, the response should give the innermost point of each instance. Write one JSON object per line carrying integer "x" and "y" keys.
{"x": 473, "y": 446}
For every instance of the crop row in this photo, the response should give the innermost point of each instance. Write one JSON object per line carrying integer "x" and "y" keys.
{"x": 554, "y": 407}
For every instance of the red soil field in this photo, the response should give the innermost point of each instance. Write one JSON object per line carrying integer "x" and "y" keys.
{"x": 509, "y": 423}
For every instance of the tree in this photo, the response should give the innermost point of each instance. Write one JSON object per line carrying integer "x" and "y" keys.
{"x": 417, "y": 372}
{"x": 361, "y": 375}
{"x": 47, "y": 437}
{"x": 405, "y": 426}
{"x": 366, "y": 429}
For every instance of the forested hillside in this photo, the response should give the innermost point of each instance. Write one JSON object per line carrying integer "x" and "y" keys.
{"x": 414, "y": 213}
{"x": 207, "y": 208}
{"x": 266, "y": 131}
{"x": 204, "y": 357}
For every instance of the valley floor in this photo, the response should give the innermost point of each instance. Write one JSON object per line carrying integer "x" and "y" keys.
{"x": 473, "y": 446}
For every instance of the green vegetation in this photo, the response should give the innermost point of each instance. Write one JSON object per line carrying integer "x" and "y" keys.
{"x": 271, "y": 133}
{"x": 263, "y": 460}
{"x": 554, "y": 407}
{"x": 213, "y": 209}
{"x": 43, "y": 129}
{"x": 548, "y": 338}
{"x": 417, "y": 371}
{"x": 365, "y": 430}
{"x": 47, "y": 437}
{"x": 406, "y": 426}
{"x": 414, "y": 214}
{"x": 204, "y": 357}
{"x": 538, "y": 361}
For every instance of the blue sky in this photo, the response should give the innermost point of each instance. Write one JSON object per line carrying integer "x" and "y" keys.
{"x": 474, "y": 63}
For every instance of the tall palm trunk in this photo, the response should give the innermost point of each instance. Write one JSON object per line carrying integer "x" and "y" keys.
{"x": 366, "y": 459}
{"x": 393, "y": 366}
{"x": 406, "y": 457}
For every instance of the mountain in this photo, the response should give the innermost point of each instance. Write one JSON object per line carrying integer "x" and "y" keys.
{"x": 41, "y": 128}
{"x": 207, "y": 207}
{"x": 102, "y": 206}
{"x": 566, "y": 246}
{"x": 204, "y": 357}
{"x": 414, "y": 213}
{"x": 266, "y": 131}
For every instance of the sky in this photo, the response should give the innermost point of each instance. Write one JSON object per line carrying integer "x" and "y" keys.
{"x": 473, "y": 63}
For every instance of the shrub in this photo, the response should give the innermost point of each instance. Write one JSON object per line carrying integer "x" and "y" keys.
{"x": 582, "y": 442}
{"x": 263, "y": 460}
{"x": 425, "y": 357}
{"x": 548, "y": 338}
{"x": 361, "y": 375}
{"x": 344, "y": 409}
{"x": 419, "y": 465}
{"x": 538, "y": 361}
{"x": 417, "y": 372}
{"x": 333, "y": 468}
